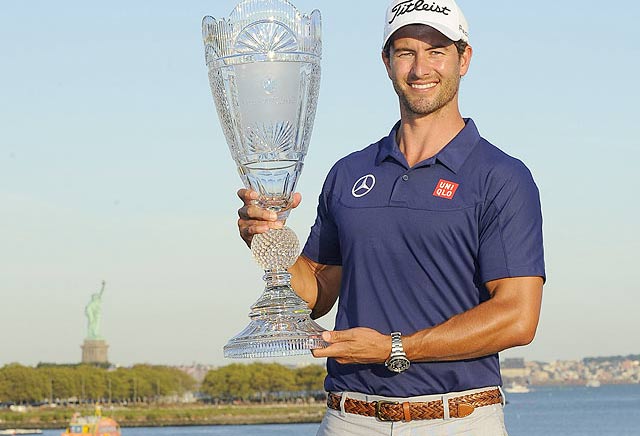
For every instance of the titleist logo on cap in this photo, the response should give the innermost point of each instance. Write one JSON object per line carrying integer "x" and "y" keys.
{"x": 420, "y": 5}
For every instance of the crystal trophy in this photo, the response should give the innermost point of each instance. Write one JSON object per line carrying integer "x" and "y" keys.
{"x": 264, "y": 72}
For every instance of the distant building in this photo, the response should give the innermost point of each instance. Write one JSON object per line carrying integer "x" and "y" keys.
{"x": 514, "y": 370}
{"x": 196, "y": 371}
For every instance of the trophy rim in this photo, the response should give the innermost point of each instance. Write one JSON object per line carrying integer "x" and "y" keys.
{"x": 315, "y": 12}
{"x": 222, "y": 34}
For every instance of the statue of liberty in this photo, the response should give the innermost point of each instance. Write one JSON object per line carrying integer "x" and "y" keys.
{"x": 93, "y": 312}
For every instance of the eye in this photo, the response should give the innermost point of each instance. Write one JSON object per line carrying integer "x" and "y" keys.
{"x": 404, "y": 54}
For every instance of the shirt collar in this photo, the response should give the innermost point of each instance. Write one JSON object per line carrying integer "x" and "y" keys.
{"x": 453, "y": 155}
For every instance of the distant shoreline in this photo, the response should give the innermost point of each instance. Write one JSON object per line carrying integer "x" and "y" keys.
{"x": 173, "y": 416}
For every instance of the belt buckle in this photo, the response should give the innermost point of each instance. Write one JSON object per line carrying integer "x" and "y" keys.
{"x": 379, "y": 405}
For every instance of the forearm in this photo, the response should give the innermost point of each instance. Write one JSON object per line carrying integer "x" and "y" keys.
{"x": 472, "y": 334}
{"x": 303, "y": 281}
{"x": 508, "y": 319}
{"x": 316, "y": 284}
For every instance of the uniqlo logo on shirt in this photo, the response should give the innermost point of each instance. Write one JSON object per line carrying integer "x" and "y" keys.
{"x": 445, "y": 189}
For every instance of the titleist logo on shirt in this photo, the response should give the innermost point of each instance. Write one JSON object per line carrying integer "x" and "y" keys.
{"x": 419, "y": 5}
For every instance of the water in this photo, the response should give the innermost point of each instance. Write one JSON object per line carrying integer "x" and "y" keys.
{"x": 562, "y": 411}
{"x": 575, "y": 411}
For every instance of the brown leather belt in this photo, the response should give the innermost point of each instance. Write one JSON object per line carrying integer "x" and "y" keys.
{"x": 459, "y": 407}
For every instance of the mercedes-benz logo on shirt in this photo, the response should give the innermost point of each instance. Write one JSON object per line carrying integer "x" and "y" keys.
{"x": 363, "y": 186}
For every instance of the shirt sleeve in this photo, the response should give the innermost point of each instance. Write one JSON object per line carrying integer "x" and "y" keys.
{"x": 323, "y": 243}
{"x": 511, "y": 228}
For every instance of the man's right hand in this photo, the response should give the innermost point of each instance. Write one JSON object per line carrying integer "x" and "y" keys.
{"x": 254, "y": 220}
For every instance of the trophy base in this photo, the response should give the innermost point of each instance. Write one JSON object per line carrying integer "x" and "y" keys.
{"x": 277, "y": 337}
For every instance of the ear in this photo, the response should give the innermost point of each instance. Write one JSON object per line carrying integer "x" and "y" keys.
{"x": 387, "y": 64}
{"x": 465, "y": 60}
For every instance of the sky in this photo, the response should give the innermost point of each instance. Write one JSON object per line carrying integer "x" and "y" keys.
{"x": 113, "y": 166}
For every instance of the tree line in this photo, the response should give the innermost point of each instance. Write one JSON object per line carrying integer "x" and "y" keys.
{"x": 263, "y": 382}
{"x": 85, "y": 383}
{"x": 65, "y": 384}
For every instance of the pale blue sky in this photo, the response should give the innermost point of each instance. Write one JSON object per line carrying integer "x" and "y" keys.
{"x": 113, "y": 166}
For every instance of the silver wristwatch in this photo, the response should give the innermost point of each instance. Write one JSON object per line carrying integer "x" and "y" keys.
{"x": 397, "y": 361}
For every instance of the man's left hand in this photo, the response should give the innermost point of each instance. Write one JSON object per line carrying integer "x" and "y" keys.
{"x": 357, "y": 345}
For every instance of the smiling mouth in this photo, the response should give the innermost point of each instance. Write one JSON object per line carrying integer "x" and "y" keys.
{"x": 423, "y": 86}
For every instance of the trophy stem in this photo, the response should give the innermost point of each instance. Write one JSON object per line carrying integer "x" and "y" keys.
{"x": 283, "y": 215}
{"x": 281, "y": 323}
{"x": 278, "y": 298}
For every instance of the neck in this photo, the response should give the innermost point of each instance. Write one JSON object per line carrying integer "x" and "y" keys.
{"x": 422, "y": 137}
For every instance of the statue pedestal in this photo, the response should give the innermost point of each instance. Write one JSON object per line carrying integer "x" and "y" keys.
{"x": 94, "y": 351}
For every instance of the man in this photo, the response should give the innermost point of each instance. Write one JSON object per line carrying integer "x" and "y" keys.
{"x": 432, "y": 239}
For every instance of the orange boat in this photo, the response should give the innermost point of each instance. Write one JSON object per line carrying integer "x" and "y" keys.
{"x": 96, "y": 425}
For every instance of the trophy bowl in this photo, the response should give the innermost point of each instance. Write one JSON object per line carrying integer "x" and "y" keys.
{"x": 264, "y": 72}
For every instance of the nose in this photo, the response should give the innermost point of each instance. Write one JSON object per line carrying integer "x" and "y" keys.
{"x": 421, "y": 67}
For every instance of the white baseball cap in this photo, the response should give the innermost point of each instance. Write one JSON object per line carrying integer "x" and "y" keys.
{"x": 443, "y": 15}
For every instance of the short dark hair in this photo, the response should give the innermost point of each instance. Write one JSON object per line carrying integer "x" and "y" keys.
{"x": 461, "y": 46}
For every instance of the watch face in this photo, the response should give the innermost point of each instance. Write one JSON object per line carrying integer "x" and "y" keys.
{"x": 398, "y": 364}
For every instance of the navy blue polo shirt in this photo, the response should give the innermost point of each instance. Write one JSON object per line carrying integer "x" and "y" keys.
{"x": 416, "y": 246}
